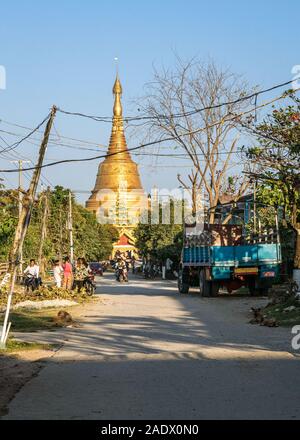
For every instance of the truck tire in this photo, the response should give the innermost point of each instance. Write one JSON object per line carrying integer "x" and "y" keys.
{"x": 183, "y": 281}
{"x": 204, "y": 284}
{"x": 256, "y": 289}
{"x": 215, "y": 287}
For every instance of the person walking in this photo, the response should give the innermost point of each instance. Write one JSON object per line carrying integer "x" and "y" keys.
{"x": 57, "y": 273}
{"x": 68, "y": 274}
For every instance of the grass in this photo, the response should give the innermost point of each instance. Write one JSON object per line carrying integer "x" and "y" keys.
{"x": 32, "y": 320}
{"x": 285, "y": 319}
{"x": 13, "y": 345}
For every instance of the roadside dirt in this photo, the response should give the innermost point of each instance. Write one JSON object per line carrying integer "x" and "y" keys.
{"x": 16, "y": 368}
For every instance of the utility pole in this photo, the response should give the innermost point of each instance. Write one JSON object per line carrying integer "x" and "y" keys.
{"x": 60, "y": 235}
{"x": 70, "y": 224}
{"x": 23, "y": 223}
{"x": 44, "y": 228}
{"x": 20, "y": 191}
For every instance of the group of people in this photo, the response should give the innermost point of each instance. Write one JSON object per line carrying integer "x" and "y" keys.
{"x": 65, "y": 275}
{"x": 121, "y": 266}
{"x": 122, "y": 263}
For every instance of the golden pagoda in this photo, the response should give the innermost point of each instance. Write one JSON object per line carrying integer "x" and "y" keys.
{"x": 118, "y": 197}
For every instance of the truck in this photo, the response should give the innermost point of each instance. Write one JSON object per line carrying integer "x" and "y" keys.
{"x": 232, "y": 245}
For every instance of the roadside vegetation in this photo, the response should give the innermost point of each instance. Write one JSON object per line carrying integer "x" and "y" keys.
{"x": 44, "y": 293}
{"x": 32, "y": 320}
{"x": 91, "y": 240}
{"x": 28, "y": 320}
{"x": 14, "y": 345}
{"x": 286, "y": 314}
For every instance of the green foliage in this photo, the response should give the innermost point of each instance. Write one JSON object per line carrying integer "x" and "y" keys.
{"x": 159, "y": 241}
{"x": 14, "y": 345}
{"x": 283, "y": 317}
{"x": 278, "y": 173}
{"x": 91, "y": 240}
{"x": 8, "y": 220}
{"x": 278, "y": 157}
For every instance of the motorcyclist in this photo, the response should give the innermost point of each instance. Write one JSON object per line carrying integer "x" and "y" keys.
{"x": 121, "y": 269}
{"x": 32, "y": 278}
{"x": 88, "y": 274}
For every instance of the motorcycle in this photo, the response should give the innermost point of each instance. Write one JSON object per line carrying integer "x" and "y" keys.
{"x": 90, "y": 285}
{"x": 30, "y": 282}
{"x": 121, "y": 274}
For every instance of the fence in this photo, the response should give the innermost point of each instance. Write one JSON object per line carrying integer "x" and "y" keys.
{"x": 3, "y": 268}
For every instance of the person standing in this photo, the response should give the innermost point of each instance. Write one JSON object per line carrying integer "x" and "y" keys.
{"x": 68, "y": 274}
{"x": 133, "y": 264}
{"x": 57, "y": 273}
{"x": 81, "y": 273}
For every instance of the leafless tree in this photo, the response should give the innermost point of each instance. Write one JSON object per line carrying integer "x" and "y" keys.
{"x": 209, "y": 137}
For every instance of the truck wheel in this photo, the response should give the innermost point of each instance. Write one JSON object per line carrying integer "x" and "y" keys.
{"x": 183, "y": 282}
{"x": 215, "y": 287}
{"x": 257, "y": 290}
{"x": 253, "y": 290}
{"x": 204, "y": 285}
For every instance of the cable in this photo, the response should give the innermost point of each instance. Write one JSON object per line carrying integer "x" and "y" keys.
{"x": 153, "y": 142}
{"x": 16, "y": 144}
{"x": 12, "y": 155}
{"x": 60, "y": 136}
{"x": 179, "y": 115}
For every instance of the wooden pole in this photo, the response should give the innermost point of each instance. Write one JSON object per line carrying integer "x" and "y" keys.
{"x": 20, "y": 191}
{"x": 24, "y": 220}
{"x": 44, "y": 229}
{"x": 70, "y": 221}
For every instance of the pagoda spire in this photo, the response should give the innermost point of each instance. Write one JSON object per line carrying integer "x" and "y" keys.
{"x": 117, "y": 143}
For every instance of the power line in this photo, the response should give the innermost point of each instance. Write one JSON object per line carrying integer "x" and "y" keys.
{"x": 12, "y": 155}
{"x": 16, "y": 144}
{"x": 231, "y": 118}
{"x": 59, "y": 135}
{"x": 188, "y": 133}
{"x": 179, "y": 115}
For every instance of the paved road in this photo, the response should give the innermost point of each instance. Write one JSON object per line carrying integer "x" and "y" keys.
{"x": 146, "y": 352}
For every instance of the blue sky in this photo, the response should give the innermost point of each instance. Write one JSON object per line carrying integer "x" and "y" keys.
{"x": 62, "y": 52}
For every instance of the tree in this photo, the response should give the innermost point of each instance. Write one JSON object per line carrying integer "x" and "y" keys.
{"x": 91, "y": 240}
{"x": 278, "y": 159}
{"x": 8, "y": 220}
{"x": 208, "y": 137}
{"x": 160, "y": 241}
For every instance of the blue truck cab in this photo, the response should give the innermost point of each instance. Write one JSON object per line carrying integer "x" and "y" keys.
{"x": 238, "y": 249}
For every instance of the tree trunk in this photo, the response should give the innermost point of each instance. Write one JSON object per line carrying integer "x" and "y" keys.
{"x": 296, "y": 271}
{"x": 297, "y": 249}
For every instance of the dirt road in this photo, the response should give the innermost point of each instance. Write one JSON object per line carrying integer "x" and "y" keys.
{"x": 146, "y": 352}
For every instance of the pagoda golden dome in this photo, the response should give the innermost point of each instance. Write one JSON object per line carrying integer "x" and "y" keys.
{"x": 118, "y": 173}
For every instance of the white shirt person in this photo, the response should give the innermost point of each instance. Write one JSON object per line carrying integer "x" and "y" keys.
{"x": 33, "y": 269}
{"x": 57, "y": 273}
